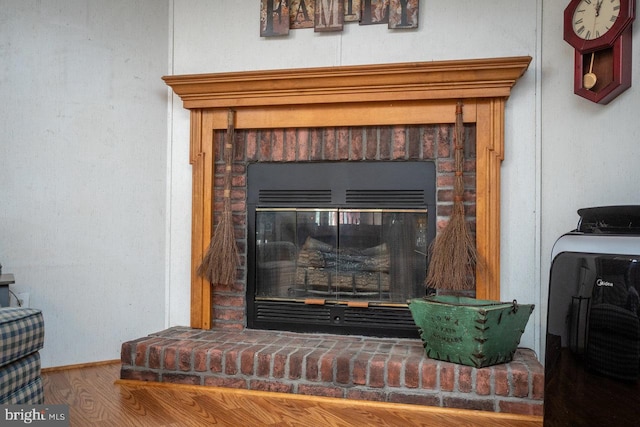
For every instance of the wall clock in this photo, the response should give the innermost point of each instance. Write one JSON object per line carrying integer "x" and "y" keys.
{"x": 600, "y": 33}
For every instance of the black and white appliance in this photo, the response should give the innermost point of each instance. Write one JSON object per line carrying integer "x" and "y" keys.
{"x": 592, "y": 361}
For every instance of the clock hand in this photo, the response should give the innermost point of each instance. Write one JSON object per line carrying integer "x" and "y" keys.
{"x": 597, "y": 5}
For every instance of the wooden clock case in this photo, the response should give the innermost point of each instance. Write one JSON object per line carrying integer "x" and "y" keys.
{"x": 612, "y": 55}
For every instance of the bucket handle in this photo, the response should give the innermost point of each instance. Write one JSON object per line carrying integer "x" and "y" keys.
{"x": 514, "y": 307}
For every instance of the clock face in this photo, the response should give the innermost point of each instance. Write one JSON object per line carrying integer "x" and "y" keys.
{"x": 594, "y": 18}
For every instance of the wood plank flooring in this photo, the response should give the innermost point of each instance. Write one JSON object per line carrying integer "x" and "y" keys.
{"x": 98, "y": 398}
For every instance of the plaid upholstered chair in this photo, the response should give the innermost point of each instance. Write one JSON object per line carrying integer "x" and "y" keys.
{"x": 21, "y": 338}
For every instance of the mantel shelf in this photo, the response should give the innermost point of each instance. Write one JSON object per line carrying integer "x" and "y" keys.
{"x": 476, "y": 78}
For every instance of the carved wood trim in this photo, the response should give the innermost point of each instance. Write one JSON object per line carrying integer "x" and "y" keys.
{"x": 387, "y": 94}
{"x": 489, "y": 156}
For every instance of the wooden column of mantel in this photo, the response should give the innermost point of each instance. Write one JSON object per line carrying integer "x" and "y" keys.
{"x": 386, "y": 94}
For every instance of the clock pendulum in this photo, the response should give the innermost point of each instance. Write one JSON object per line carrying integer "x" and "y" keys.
{"x": 589, "y": 80}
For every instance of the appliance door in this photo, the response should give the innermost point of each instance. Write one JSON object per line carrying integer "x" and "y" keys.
{"x": 592, "y": 362}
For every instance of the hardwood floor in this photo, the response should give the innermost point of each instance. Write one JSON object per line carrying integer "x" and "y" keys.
{"x": 98, "y": 398}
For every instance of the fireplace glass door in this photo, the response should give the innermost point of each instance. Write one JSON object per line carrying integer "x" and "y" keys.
{"x": 338, "y": 247}
{"x": 353, "y": 256}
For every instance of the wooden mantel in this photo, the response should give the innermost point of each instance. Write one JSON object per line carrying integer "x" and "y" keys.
{"x": 364, "y": 95}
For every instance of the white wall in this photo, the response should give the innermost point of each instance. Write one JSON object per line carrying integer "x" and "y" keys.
{"x": 83, "y": 168}
{"x": 590, "y": 152}
{"x": 218, "y": 36}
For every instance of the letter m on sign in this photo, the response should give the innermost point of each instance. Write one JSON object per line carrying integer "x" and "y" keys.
{"x": 329, "y": 15}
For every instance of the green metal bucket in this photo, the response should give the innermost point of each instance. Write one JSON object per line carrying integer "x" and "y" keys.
{"x": 469, "y": 331}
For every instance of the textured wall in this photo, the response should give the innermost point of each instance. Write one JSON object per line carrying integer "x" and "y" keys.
{"x": 83, "y": 169}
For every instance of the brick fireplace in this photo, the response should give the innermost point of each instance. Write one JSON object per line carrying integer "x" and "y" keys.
{"x": 385, "y": 113}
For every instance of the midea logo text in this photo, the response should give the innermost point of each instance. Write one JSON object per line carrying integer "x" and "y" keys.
{"x": 604, "y": 283}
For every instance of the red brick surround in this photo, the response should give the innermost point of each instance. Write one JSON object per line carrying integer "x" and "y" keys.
{"x": 354, "y": 367}
{"x": 375, "y": 143}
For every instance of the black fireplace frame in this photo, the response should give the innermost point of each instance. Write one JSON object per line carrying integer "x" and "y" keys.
{"x": 353, "y": 185}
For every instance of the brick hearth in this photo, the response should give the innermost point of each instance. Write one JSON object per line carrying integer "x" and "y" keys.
{"x": 354, "y": 367}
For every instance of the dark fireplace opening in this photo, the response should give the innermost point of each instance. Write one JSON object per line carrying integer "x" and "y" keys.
{"x": 338, "y": 247}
